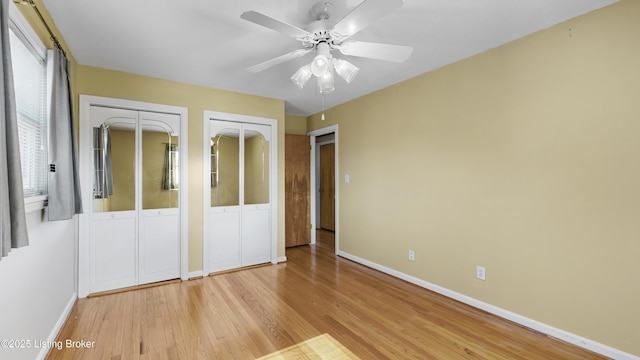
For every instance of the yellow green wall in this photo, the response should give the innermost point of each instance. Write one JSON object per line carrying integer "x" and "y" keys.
{"x": 197, "y": 99}
{"x": 295, "y": 125}
{"x": 524, "y": 159}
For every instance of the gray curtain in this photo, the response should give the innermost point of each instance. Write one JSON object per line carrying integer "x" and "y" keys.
{"x": 63, "y": 183}
{"x": 170, "y": 176}
{"x": 102, "y": 171}
{"x": 13, "y": 224}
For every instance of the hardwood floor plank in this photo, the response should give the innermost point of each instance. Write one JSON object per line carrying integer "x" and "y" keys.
{"x": 255, "y": 312}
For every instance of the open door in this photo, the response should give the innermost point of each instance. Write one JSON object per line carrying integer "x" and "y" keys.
{"x": 319, "y": 138}
{"x": 297, "y": 190}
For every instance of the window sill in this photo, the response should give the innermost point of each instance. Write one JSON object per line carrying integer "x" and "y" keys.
{"x": 35, "y": 203}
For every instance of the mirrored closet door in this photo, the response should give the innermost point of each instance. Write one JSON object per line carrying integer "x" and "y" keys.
{"x": 135, "y": 217}
{"x": 239, "y": 215}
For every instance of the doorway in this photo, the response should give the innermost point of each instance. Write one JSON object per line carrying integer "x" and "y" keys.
{"x": 326, "y": 182}
{"x": 325, "y": 141}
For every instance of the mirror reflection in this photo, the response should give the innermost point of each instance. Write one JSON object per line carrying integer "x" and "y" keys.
{"x": 225, "y": 168}
{"x": 256, "y": 168}
{"x": 114, "y": 167}
{"x": 160, "y": 187}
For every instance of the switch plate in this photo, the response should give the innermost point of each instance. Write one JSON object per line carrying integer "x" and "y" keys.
{"x": 481, "y": 273}
{"x": 347, "y": 178}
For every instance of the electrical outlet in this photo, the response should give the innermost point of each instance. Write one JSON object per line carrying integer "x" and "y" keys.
{"x": 481, "y": 273}
{"x": 412, "y": 255}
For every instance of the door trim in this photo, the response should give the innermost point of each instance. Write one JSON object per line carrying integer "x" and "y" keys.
{"x": 84, "y": 251}
{"x": 206, "y": 179}
{"x": 314, "y": 193}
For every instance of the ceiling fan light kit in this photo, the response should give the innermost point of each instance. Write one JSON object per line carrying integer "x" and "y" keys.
{"x": 345, "y": 69}
{"x": 323, "y": 36}
{"x": 325, "y": 83}
{"x": 302, "y": 76}
{"x": 320, "y": 64}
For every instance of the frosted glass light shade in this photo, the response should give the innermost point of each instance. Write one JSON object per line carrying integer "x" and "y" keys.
{"x": 302, "y": 76}
{"x": 346, "y": 70}
{"x": 320, "y": 65}
{"x": 325, "y": 83}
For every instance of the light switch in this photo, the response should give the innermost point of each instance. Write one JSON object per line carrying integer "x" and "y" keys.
{"x": 347, "y": 178}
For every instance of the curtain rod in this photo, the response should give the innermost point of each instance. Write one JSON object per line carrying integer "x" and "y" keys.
{"x": 53, "y": 38}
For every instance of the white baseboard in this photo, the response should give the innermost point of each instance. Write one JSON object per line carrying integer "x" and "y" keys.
{"x": 519, "y": 319}
{"x": 195, "y": 274}
{"x": 59, "y": 324}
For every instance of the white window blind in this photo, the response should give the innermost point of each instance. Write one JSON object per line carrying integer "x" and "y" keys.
{"x": 29, "y": 76}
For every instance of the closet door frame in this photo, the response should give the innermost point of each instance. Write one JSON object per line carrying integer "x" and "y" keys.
{"x": 85, "y": 161}
{"x": 273, "y": 180}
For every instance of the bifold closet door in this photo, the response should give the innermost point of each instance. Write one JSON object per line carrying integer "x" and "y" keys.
{"x": 239, "y": 216}
{"x": 135, "y": 217}
{"x": 256, "y": 205}
{"x": 159, "y": 216}
{"x": 114, "y": 217}
{"x": 224, "y": 213}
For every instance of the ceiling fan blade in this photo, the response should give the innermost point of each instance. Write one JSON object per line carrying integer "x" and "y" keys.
{"x": 364, "y": 15}
{"x": 278, "y": 60}
{"x": 395, "y": 53}
{"x": 274, "y": 24}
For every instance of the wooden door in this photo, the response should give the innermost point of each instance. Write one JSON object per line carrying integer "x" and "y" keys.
{"x": 297, "y": 190}
{"x": 327, "y": 187}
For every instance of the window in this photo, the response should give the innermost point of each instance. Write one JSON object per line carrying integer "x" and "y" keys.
{"x": 28, "y": 58}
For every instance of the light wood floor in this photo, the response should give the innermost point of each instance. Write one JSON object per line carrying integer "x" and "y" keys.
{"x": 252, "y": 313}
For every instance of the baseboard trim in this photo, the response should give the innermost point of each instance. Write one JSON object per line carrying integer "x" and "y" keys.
{"x": 59, "y": 324}
{"x": 195, "y": 274}
{"x": 519, "y": 319}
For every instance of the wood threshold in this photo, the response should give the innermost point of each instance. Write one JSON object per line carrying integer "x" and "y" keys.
{"x": 230, "y": 271}
{"x": 131, "y": 288}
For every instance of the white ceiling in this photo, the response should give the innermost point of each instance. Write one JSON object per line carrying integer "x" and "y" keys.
{"x": 205, "y": 42}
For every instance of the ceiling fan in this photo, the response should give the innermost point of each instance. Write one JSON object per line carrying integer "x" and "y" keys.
{"x": 323, "y": 36}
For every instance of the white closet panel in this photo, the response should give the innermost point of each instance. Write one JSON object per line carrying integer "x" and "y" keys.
{"x": 159, "y": 246}
{"x": 255, "y": 235}
{"x": 114, "y": 252}
{"x": 224, "y": 239}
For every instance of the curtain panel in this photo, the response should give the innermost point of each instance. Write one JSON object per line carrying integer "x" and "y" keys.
{"x": 13, "y": 224}
{"x": 63, "y": 182}
{"x": 102, "y": 170}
